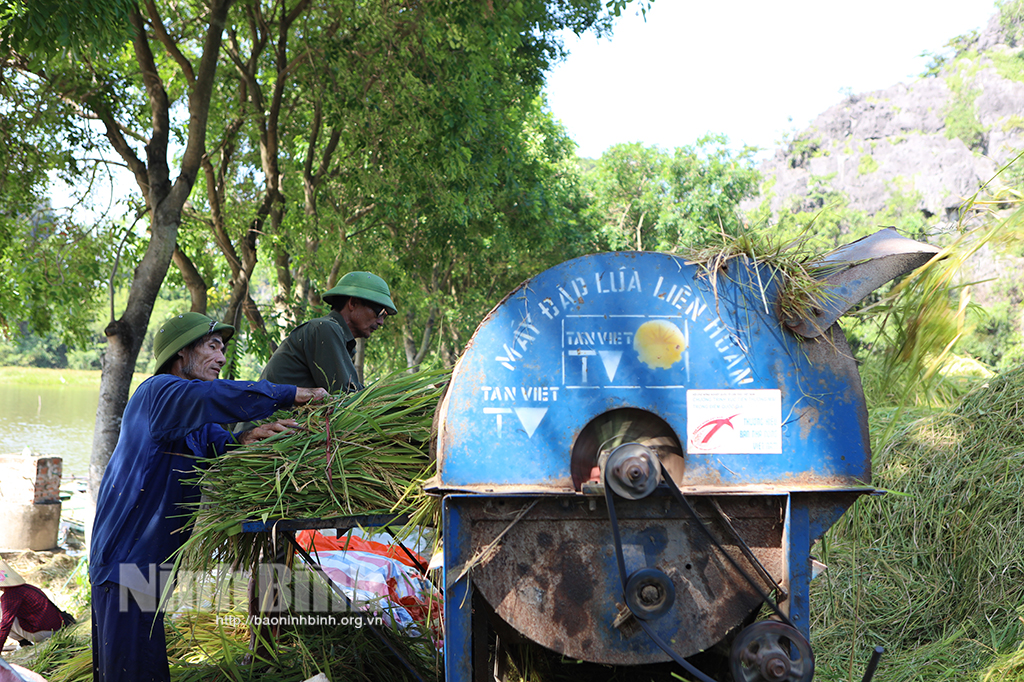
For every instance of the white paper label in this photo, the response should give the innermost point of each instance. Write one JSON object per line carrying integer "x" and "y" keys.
{"x": 734, "y": 421}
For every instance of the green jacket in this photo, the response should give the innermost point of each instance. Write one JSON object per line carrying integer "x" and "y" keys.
{"x": 318, "y": 354}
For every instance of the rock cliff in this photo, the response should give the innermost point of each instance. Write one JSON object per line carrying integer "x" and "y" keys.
{"x": 934, "y": 141}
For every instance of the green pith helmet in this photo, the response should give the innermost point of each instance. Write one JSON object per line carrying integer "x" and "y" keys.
{"x": 364, "y": 285}
{"x": 181, "y": 330}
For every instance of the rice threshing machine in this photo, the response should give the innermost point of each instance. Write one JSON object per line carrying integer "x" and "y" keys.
{"x": 637, "y": 453}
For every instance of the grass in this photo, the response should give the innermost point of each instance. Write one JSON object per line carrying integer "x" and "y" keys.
{"x": 202, "y": 648}
{"x": 38, "y": 376}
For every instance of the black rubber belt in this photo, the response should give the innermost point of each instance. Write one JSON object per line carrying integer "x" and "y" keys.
{"x": 662, "y": 644}
{"x": 753, "y": 583}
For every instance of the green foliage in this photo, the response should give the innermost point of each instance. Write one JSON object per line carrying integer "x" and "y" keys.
{"x": 936, "y": 63}
{"x": 901, "y": 210}
{"x": 646, "y": 199}
{"x": 45, "y": 27}
{"x": 955, "y": 48}
{"x": 397, "y": 133}
{"x": 629, "y": 190}
{"x": 706, "y": 181}
{"x": 50, "y": 273}
{"x": 33, "y": 351}
{"x": 1011, "y": 19}
{"x": 442, "y": 146}
{"x": 961, "y": 119}
{"x": 47, "y": 260}
{"x": 48, "y": 351}
{"x": 1009, "y": 63}
{"x": 1013, "y": 123}
{"x": 995, "y": 336}
{"x": 802, "y": 149}
{"x": 867, "y": 165}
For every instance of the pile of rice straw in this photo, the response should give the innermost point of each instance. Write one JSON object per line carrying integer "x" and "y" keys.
{"x": 934, "y": 570}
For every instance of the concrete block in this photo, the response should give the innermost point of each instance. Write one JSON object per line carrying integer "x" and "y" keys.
{"x": 29, "y": 526}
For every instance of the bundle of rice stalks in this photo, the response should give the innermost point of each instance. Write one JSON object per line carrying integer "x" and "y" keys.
{"x": 65, "y": 657}
{"x": 364, "y": 453}
{"x": 934, "y": 570}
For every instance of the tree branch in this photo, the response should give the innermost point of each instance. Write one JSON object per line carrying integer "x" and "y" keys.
{"x": 169, "y": 43}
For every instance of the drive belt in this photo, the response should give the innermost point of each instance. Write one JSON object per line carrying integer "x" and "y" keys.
{"x": 609, "y": 496}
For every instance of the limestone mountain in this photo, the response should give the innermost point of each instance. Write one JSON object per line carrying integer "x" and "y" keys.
{"x": 932, "y": 142}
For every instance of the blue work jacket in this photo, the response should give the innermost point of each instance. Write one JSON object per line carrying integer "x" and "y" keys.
{"x": 169, "y": 427}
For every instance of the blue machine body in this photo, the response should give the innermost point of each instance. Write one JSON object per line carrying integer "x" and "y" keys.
{"x": 772, "y": 437}
{"x": 754, "y": 404}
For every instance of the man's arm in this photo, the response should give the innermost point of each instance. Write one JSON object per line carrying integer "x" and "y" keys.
{"x": 175, "y": 407}
{"x": 302, "y": 396}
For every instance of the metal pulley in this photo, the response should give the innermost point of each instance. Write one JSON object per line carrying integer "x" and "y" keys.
{"x": 617, "y": 428}
{"x": 650, "y": 593}
{"x": 631, "y": 471}
{"x": 768, "y": 651}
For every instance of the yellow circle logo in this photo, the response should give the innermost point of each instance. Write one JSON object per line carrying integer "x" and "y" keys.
{"x": 659, "y": 344}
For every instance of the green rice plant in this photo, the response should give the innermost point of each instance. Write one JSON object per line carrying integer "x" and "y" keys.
{"x": 202, "y": 649}
{"x": 65, "y": 657}
{"x": 790, "y": 265}
{"x": 363, "y": 453}
{"x": 920, "y": 320}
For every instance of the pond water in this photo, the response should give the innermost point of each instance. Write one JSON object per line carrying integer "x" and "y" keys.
{"x": 50, "y": 421}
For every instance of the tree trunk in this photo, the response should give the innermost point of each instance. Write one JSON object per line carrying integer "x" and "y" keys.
{"x": 164, "y": 201}
{"x": 194, "y": 282}
{"x": 414, "y": 353}
{"x": 125, "y": 337}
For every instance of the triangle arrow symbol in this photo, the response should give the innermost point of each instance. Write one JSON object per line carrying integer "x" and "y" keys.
{"x": 530, "y": 417}
{"x": 611, "y": 359}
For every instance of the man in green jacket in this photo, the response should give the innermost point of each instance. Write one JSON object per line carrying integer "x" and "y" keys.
{"x": 319, "y": 352}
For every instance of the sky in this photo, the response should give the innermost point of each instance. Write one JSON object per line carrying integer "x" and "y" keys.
{"x": 752, "y": 70}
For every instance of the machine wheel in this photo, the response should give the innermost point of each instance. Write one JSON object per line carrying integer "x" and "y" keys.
{"x": 632, "y": 471}
{"x": 650, "y": 593}
{"x": 768, "y": 651}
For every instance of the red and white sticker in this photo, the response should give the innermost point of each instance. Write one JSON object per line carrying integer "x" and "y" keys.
{"x": 734, "y": 421}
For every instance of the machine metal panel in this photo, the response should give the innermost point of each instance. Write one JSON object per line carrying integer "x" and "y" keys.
{"x": 552, "y": 575}
{"x": 650, "y": 331}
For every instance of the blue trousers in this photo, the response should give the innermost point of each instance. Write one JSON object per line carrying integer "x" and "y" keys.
{"x": 128, "y": 643}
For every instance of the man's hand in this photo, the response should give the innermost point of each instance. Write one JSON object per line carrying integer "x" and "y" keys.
{"x": 308, "y": 395}
{"x": 267, "y": 430}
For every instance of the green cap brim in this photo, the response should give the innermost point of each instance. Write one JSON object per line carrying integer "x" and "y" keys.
{"x": 190, "y": 334}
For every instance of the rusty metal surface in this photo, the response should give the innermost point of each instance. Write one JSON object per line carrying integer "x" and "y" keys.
{"x": 555, "y": 579}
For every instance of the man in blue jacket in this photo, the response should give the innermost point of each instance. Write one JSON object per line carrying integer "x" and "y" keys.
{"x": 171, "y": 422}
